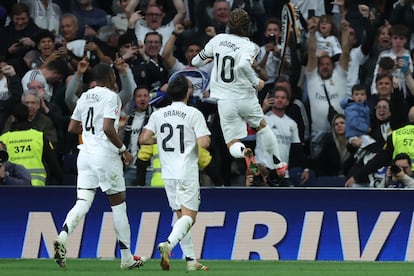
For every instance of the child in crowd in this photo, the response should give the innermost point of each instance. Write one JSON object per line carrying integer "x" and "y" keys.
{"x": 327, "y": 38}
{"x": 358, "y": 117}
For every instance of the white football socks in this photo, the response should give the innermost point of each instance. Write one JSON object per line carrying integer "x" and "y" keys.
{"x": 122, "y": 230}
{"x": 237, "y": 150}
{"x": 181, "y": 227}
{"x": 78, "y": 212}
{"x": 187, "y": 246}
{"x": 266, "y": 138}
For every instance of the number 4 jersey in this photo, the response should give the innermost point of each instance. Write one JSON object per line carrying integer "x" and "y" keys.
{"x": 91, "y": 109}
{"x": 232, "y": 76}
{"x": 177, "y": 127}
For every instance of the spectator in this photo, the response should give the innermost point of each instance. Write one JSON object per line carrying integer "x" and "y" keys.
{"x": 17, "y": 37}
{"x": 334, "y": 154}
{"x": 49, "y": 75}
{"x": 324, "y": 79}
{"x": 385, "y": 90}
{"x": 49, "y": 108}
{"x": 397, "y": 141}
{"x": 75, "y": 83}
{"x": 199, "y": 77}
{"x": 47, "y": 50}
{"x": 208, "y": 26}
{"x": 135, "y": 120}
{"x": 358, "y": 117}
{"x": 31, "y": 149}
{"x": 10, "y": 91}
{"x": 78, "y": 46}
{"x": 46, "y": 15}
{"x": 152, "y": 22}
{"x": 399, "y": 174}
{"x": 381, "y": 124}
{"x": 120, "y": 20}
{"x": 399, "y": 35}
{"x": 90, "y": 18}
{"x": 10, "y": 173}
{"x": 403, "y": 13}
{"x": 366, "y": 163}
{"x": 269, "y": 56}
{"x": 37, "y": 119}
{"x": 107, "y": 40}
{"x": 286, "y": 132}
{"x": 69, "y": 29}
{"x": 360, "y": 51}
{"x": 327, "y": 43}
{"x": 382, "y": 42}
{"x": 152, "y": 71}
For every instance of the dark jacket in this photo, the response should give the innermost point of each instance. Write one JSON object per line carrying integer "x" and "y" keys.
{"x": 9, "y": 35}
{"x": 16, "y": 175}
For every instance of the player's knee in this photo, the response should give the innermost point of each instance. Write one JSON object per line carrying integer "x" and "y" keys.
{"x": 85, "y": 198}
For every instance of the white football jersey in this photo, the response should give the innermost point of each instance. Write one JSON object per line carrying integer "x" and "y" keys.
{"x": 91, "y": 109}
{"x": 232, "y": 76}
{"x": 177, "y": 127}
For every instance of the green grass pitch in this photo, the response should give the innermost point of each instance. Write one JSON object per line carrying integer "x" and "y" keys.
{"x": 97, "y": 267}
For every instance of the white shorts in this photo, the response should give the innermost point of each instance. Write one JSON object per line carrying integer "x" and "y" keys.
{"x": 235, "y": 113}
{"x": 183, "y": 193}
{"x": 100, "y": 171}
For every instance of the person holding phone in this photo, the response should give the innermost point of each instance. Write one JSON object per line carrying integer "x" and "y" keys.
{"x": 269, "y": 57}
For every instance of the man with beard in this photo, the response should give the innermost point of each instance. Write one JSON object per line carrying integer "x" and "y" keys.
{"x": 324, "y": 79}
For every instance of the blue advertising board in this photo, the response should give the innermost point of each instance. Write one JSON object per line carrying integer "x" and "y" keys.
{"x": 233, "y": 224}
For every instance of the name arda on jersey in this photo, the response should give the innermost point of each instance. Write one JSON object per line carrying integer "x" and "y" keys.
{"x": 230, "y": 45}
{"x": 176, "y": 113}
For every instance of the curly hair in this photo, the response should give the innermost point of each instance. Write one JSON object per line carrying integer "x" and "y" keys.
{"x": 239, "y": 22}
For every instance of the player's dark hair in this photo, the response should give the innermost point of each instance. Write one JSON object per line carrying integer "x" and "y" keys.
{"x": 178, "y": 88}
{"x": 101, "y": 73}
{"x": 239, "y": 22}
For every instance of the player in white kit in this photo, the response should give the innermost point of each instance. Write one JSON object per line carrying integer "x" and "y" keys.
{"x": 234, "y": 83}
{"x": 99, "y": 163}
{"x": 179, "y": 129}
